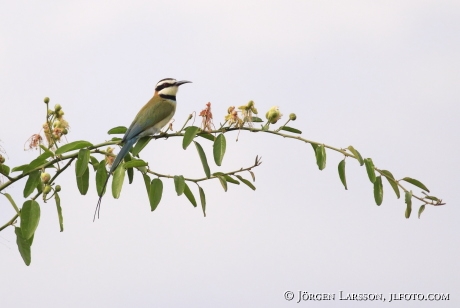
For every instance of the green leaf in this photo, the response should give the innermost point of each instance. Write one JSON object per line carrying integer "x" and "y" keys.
{"x": 433, "y": 198}
{"x": 23, "y": 245}
{"x": 314, "y": 146}
{"x": 117, "y": 182}
{"x": 420, "y": 210}
{"x": 155, "y": 193}
{"x": 134, "y": 163}
{"x": 252, "y": 175}
{"x": 37, "y": 162}
{"x": 19, "y": 168}
{"x": 147, "y": 182}
{"x": 203, "y": 200}
{"x": 219, "y": 147}
{"x": 130, "y": 171}
{"x": 30, "y": 216}
{"x": 390, "y": 178}
{"x": 4, "y": 169}
{"x": 370, "y": 169}
{"x": 140, "y": 145}
{"x": 378, "y": 190}
{"x": 83, "y": 181}
{"x": 76, "y": 145}
{"x": 356, "y": 154}
{"x": 40, "y": 187}
{"x": 46, "y": 150}
{"x": 117, "y": 130}
{"x": 256, "y": 120}
{"x": 11, "y": 201}
{"x": 32, "y": 182}
{"x": 223, "y": 182}
{"x": 59, "y": 211}
{"x": 246, "y": 182}
{"x": 342, "y": 173}
{"x": 320, "y": 153}
{"x": 206, "y": 135}
{"x": 203, "y": 159}
{"x": 230, "y": 179}
{"x": 188, "y": 193}
{"x": 45, "y": 155}
{"x": 408, "y": 200}
{"x": 290, "y": 129}
{"x": 179, "y": 183}
{"x": 101, "y": 178}
{"x": 94, "y": 162}
{"x": 82, "y": 162}
{"x": 416, "y": 183}
{"x": 190, "y": 133}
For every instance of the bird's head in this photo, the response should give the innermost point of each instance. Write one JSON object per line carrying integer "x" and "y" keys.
{"x": 168, "y": 87}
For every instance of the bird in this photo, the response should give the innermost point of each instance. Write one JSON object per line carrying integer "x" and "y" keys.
{"x": 149, "y": 121}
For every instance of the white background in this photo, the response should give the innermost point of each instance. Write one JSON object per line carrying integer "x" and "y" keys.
{"x": 382, "y": 76}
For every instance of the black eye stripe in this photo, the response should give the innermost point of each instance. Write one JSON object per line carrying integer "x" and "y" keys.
{"x": 164, "y": 85}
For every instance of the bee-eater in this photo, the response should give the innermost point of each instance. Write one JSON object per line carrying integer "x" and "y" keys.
{"x": 149, "y": 120}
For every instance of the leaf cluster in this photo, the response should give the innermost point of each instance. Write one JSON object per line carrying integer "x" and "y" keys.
{"x": 85, "y": 155}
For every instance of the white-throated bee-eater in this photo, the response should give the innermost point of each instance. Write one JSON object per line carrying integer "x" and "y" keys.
{"x": 149, "y": 121}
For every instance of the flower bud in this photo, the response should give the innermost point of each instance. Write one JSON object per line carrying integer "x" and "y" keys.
{"x": 60, "y": 113}
{"x": 273, "y": 115}
{"x": 46, "y": 100}
{"x": 45, "y": 177}
{"x": 57, "y": 188}
{"x": 2, "y": 159}
{"x": 46, "y": 189}
{"x": 250, "y": 104}
{"x": 292, "y": 117}
{"x": 57, "y": 107}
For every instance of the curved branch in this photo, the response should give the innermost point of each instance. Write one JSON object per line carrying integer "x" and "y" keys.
{"x": 257, "y": 163}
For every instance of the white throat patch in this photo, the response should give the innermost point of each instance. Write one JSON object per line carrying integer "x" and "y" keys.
{"x": 169, "y": 91}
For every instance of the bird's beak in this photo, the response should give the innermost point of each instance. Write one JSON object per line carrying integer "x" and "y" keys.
{"x": 178, "y": 83}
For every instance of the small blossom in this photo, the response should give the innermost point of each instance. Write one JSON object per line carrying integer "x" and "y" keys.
{"x": 292, "y": 117}
{"x": 273, "y": 115}
{"x": 206, "y": 113}
{"x": 34, "y": 142}
{"x": 46, "y": 177}
{"x": 109, "y": 158}
{"x": 48, "y": 135}
{"x": 232, "y": 117}
{"x": 247, "y": 111}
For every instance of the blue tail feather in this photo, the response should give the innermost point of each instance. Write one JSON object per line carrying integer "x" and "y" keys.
{"x": 123, "y": 152}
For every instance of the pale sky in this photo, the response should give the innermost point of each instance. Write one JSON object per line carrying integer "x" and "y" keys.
{"x": 382, "y": 76}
